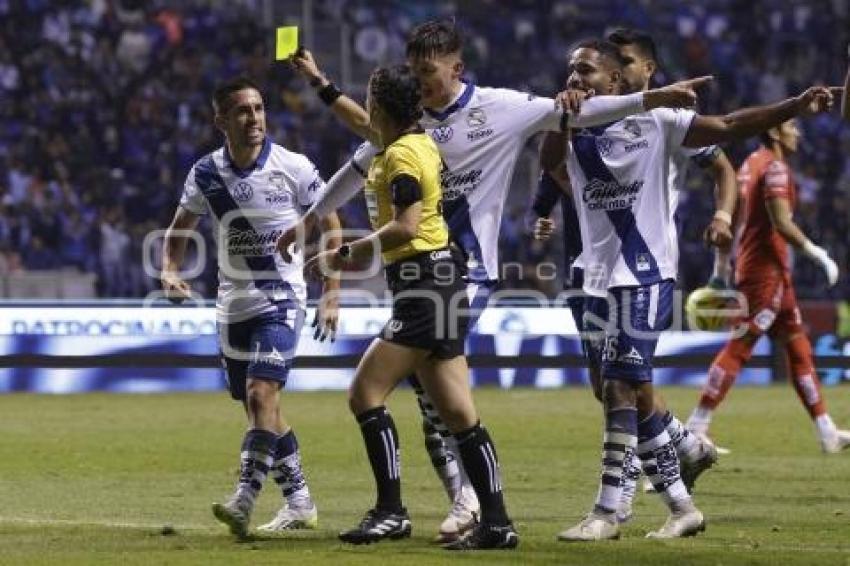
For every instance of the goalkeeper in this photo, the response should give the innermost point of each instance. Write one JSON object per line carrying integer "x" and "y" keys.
{"x": 763, "y": 276}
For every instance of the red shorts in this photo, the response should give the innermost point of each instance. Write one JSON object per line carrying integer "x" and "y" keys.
{"x": 772, "y": 306}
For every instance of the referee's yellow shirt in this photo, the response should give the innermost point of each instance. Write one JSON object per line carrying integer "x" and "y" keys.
{"x": 415, "y": 155}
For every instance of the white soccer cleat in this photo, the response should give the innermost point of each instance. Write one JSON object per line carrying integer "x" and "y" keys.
{"x": 679, "y": 525}
{"x": 706, "y": 440}
{"x": 835, "y": 443}
{"x": 462, "y": 517}
{"x": 647, "y": 486}
{"x": 707, "y": 457}
{"x": 235, "y": 513}
{"x": 292, "y": 518}
{"x": 592, "y": 528}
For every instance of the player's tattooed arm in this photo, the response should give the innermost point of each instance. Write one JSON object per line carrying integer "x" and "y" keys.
{"x": 741, "y": 124}
{"x": 346, "y": 109}
{"x": 173, "y": 253}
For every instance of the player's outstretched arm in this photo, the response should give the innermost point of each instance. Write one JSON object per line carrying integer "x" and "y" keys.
{"x": 173, "y": 253}
{"x": 346, "y": 109}
{"x": 781, "y": 217}
{"x": 741, "y": 124}
{"x": 599, "y": 110}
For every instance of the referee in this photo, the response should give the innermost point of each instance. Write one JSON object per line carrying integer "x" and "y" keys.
{"x": 427, "y": 330}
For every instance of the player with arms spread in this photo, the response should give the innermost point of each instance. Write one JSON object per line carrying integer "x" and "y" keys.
{"x": 763, "y": 275}
{"x": 623, "y": 192}
{"x": 639, "y": 64}
{"x": 255, "y": 190}
{"x": 428, "y": 326}
{"x": 480, "y": 133}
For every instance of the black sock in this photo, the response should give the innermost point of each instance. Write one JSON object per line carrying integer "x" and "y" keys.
{"x": 381, "y": 439}
{"x": 482, "y": 466}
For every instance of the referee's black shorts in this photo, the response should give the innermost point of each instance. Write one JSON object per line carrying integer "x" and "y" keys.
{"x": 430, "y": 306}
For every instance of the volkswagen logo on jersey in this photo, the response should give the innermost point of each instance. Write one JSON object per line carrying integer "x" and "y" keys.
{"x": 442, "y": 134}
{"x": 243, "y": 191}
{"x": 604, "y": 145}
{"x": 476, "y": 118}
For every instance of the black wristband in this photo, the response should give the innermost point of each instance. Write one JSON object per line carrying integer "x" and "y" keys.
{"x": 329, "y": 93}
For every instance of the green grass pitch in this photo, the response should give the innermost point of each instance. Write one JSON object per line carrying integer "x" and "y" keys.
{"x": 93, "y": 479}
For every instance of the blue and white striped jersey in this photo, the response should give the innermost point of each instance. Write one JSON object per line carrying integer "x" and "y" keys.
{"x": 480, "y": 136}
{"x": 250, "y": 210}
{"x": 623, "y": 177}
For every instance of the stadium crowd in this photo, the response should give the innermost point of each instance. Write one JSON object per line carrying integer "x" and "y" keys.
{"x": 104, "y": 106}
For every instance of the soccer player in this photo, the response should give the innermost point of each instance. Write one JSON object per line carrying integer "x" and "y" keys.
{"x": 620, "y": 179}
{"x": 763, "y": 276}
{"x": 480, "y": 133}
{"x": 639, "y": 64}
{"x": 426, "y": 332}
{"x": 254, "y": 189}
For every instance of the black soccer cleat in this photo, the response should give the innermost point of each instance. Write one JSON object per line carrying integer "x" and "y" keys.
{"x": 487, "y": 537}
{"x": 378, "y": 525}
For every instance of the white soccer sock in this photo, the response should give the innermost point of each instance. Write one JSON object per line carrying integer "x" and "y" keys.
{"x": 826, "y": 428}
{"x": 700, "y": 420}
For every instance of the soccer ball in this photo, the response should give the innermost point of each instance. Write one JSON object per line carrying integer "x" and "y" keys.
{"x": 706, "y": 309}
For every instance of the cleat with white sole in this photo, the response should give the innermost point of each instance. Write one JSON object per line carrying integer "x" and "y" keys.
{"x": 487, "y": 537}
{"x": 592, "y": 528}
{"x": 292, "y": 518}
{"x": 235, "y": 513}
{"x": 462, "y": 517}
{"x": 836, "y": 443}
{"x": 647, "y": 486}
{"x": 680, "y": 525}
{"x": 378, "y": 525}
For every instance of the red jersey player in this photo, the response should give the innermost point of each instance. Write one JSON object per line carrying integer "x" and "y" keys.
{"x": 763, "y": 276}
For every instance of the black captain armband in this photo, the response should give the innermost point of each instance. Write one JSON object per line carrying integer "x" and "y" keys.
{"x": 329, "y": 93}
{"x": 405, "y": 190}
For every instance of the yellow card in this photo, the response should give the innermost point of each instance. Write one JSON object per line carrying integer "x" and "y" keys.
{"x": 287, "y": 42}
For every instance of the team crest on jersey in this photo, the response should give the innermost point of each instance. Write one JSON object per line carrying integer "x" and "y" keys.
{"x": 476, "y": 118}
{"x": 604, "y": 146}
{"x": 243, "y": 191}
{"x": 442, "y": 134}
{"x": 277, "y": 179}
{"x": 631, "y": 126}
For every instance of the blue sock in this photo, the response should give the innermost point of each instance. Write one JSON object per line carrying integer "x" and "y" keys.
{"x": 287, "y": 473}
{"x": 255, "y": 461}
{"x": 618, "y": 450}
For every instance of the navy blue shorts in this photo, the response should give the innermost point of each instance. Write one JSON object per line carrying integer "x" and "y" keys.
{"x": 624, "y": 344}
{"x": 262, "y": 347}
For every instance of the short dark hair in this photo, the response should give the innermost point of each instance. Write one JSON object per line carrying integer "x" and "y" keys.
{"x": 642, "y": 40}
{"x": 434, "y": 37}
{"x": 603, "y": 47}
{"x": 397, "y": 91}
{"x": 221, "y": 94}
